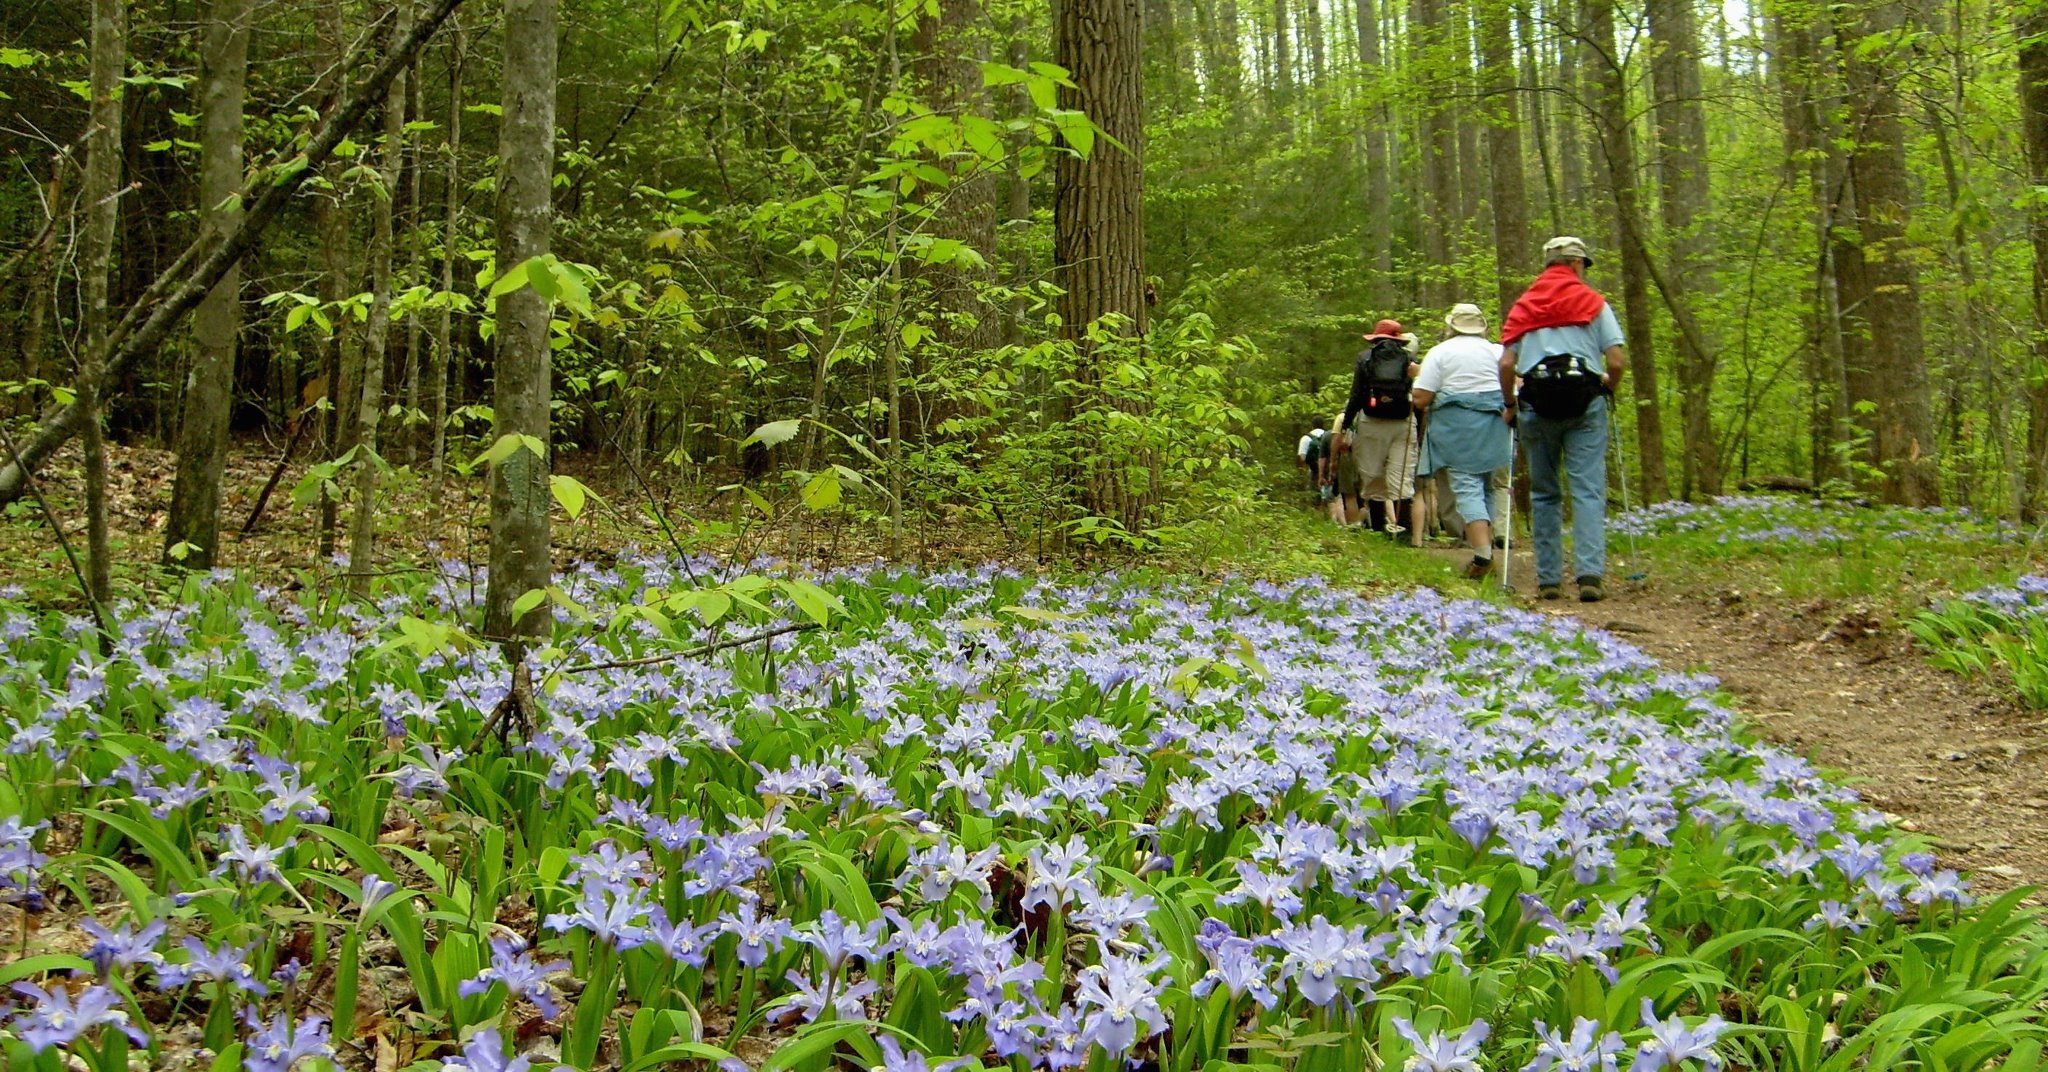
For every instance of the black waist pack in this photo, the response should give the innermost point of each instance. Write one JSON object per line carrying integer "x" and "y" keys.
{"x": 1560, "y": 388}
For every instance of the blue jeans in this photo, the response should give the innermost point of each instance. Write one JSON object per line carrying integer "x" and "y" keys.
{"x": 1579, "y": 447}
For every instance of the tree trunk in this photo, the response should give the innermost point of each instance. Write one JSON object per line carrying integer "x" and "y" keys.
{"x": 1312, "y": 29}
{"x": 1805, "y": 105}
{"x": 1511, "y": 245}
{"x": 1618, "y": 155}
{"x": 416, "y": 259}
{"x": 1379, "y": 249}
{"x": 194, "y": 520}
{"x": 2033, "y": 76}
{"x": 441, "y": 357}
{"x": 519, "y": 485}
{"x": 1099, "y": 205}
{"x": 331, "y": 225}
{"x": 1472, "y": 182}
{"x": 95, "y": 260}
{"x": 1571, "y": 151}
{"x": 1681, "y": 124}
{"x": 1283, "y": 65}
{"x": 1018, "y": 211}
{"x": 1890, "y": 357}
{"x": 377, "y": 332}
{"x": 36, "y": 288}
{"x": 1439, "y": 151}
{"x": 1232, "y": 65}
{"x": 948, "y": 72}
{"x": 1533, "y": 75}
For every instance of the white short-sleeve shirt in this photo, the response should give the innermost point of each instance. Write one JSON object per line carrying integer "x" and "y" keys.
{"x": 1460, "y": 365}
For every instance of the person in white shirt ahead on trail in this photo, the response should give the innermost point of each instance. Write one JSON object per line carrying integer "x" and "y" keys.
{"x": 1459, "y": 393}
{"x": 1562, "y": 353}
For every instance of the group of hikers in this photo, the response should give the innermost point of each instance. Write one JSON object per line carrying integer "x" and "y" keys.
{"x": 1453, "y": 415}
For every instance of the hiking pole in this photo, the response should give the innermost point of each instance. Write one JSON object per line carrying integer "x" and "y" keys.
{"x": 1407, "y": 472}
{"x": 1507, "y": 518}
{"x": 1614, "y": 438}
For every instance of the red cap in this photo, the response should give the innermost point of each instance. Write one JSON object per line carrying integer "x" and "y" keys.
{"x": 1385, "y": 329}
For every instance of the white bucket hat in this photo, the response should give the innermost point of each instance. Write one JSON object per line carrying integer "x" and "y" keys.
{"x": 1465, "y": 318}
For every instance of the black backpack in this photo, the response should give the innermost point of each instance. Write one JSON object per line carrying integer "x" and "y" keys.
{"x": 1560, "y": 387}
{"x": 1386, "y": 379}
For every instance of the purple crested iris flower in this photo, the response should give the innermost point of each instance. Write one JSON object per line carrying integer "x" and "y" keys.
{"x": 125, "y": 946}
{"x": 1122, "y": 999}
{"x": 485, "y": 1052}
{"x": 1439, "y": 1053}
{"x": 936, "y": 871}
{"x": 1322, "y": 958}
{"x": 1058, "y": 874}
{"x": 845, "y": 1002}
{"x": 1671, "y": 1043}
{"x": 1836, "y": 916}
{"x": 228, "y": 966}
{"x": 1236, "y": 966}
{"x": 1943, "y": 885}
{"x": 252, "y": 864}
{"x": 281, "y": 1044}
{"x": 1584, "y": 1050}
{"x": 611, "y": 915}
{"x": 921, "y": 942}
{"x": 896, "y": 1059}
{"x": 289, "y": 797}
{"x": 522, "y": 976}
{"x": 757, "y": 935}
{"x": 685, "y": 942}
{"x": 19, "y": 863}
{"x": 837, "y": 941}
{"x": 57, "y": 1019}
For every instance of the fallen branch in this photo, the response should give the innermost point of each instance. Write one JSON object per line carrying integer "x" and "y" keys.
{"x": 702, "y": 649}
{"x": 202, "y": 264}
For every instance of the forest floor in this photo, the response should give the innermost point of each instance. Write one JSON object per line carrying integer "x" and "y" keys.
{"x": 1833, "y": 679}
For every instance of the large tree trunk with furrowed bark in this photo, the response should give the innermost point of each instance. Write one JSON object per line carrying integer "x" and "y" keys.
{"x": 1682, "y": 176}
{"x": 519, "y": 483}
{"x": 1510, "y": 195}
{"x": 192, "y": 531}
{"x": 1099, "y": 214}
{"x": 1618, "y": 158}
{"x": 1888, "y": 362}
{"x": 2033, "y": 75}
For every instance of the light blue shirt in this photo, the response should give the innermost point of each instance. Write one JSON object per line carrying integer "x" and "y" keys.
{"x": 1588, "y": 342}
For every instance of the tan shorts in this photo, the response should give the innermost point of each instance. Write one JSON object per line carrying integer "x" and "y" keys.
{"x": 1385, "y": 454}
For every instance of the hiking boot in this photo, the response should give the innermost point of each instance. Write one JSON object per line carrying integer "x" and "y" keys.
{"x": 1478, "y": 568}
{"x": 1591, "y": 590}
{"x": 1550, "y": 591}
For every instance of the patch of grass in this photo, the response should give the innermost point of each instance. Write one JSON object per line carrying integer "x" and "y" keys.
{"x": 1283, "y": 542}
{"x": 1993, "y": 631}
{"x": 1802, "y": 549}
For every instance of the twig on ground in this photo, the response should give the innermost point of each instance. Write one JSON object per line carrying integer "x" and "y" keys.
{"x": 702, "y": 649}
{"x": 99, "y": 613}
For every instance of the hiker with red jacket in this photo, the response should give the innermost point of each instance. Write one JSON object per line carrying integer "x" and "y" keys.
{"x": 1561, "y": 360}
{"x": 1379, "y": 428}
